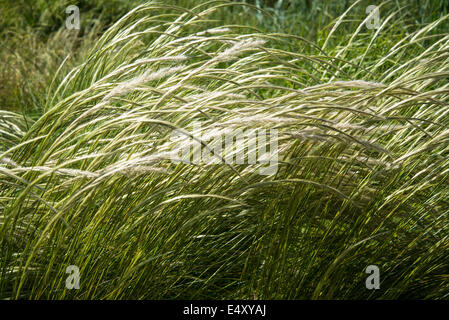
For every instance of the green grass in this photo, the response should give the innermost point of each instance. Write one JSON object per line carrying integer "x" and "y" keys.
{"x": 362, "y": 116}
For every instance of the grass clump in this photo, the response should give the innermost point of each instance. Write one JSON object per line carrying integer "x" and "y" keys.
{"x": 363, "y": 140}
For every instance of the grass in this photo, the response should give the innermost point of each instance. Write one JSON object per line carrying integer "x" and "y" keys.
{"x": 362, "y": 116}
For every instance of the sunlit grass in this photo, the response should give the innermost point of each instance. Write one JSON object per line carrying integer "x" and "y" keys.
{"x": 362, "y": 179}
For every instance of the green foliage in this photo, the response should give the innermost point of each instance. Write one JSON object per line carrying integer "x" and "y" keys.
{"x": 363, "y": 122}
